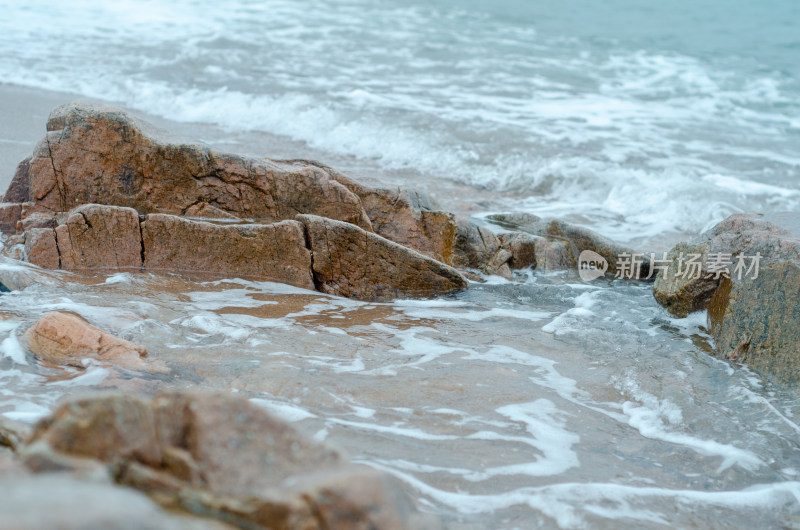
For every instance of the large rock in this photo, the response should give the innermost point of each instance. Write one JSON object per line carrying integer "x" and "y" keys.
{"x": 754, "y": 318}
{"x": 94, "y": 153}
{"x": 221, "y": 456}
{"x": 274, "y": 252}
{"x": 349, "y": 261}
{"x": 564, "y": 239}
{"x": 66, "y": 339}
{"x": 414, "y": 220}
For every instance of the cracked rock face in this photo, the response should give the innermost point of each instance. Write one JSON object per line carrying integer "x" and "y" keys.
{"x": 98, "y": 154}
{"x": 352, "y": 262}
{"x": 275, "y": 252}
{"x": 753, "y": 318}
{"x": 347, "y": 261}
{"x": 104, "y": 191}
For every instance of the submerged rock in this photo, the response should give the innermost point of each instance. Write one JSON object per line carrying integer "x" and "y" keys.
{"x": 746, "y": 272}
{"x": 221, "y": 456}
{"x": 66, "y": 339}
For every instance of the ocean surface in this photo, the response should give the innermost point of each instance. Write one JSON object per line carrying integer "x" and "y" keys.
{"x": 642, "y": 117}
{"x": 538, "y": 402}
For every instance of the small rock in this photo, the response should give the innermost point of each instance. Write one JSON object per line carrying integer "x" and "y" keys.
{"x": 575, "y": 238}
{"x": 64, "y": 338}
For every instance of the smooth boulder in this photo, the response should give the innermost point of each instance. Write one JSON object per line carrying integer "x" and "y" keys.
{"x": 66, "y": 339}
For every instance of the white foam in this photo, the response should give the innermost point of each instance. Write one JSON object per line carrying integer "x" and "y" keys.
{"x": 94, "y": 375}
{"x": 11, "y": 348}
{"x": 659, "y": 419}
{"x": 285, "y": 411}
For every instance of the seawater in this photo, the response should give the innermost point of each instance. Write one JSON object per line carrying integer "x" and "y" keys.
{"x": 638, "y": 118}
{"x": 538, "y": 402}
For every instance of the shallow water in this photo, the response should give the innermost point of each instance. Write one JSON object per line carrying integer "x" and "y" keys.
{"x": 540, "y": 402}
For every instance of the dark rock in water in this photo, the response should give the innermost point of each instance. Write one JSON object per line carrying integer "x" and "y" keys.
{"x": 746, "y": 272}
{"x": 4, "y": 289}
{"x": 348, "y": 261}
{"x": 222, "y": 456}
{"x": 577, "y": 239}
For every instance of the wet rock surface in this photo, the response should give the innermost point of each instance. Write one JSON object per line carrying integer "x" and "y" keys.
{"x": 355, "y": 263}
{"x": 275, "y": 252}
{"x": 66, "y": 339}
{"x": 564, "y": 242}
{"x": 753, "y": 310}
{"x": 95, "y": 153}
{"x": 213, "y": 455}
